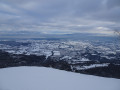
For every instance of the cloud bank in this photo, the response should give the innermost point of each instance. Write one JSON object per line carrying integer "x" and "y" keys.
{"x": 60, "y": 16}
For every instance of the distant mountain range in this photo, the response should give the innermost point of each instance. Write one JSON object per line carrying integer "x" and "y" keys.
{"x": 39, "y": 35}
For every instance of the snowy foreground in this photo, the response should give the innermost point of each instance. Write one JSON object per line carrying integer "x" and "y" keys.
{"x": 41, "y": 78}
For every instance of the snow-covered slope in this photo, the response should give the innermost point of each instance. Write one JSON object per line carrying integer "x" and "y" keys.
{"x": 41, "y": 78}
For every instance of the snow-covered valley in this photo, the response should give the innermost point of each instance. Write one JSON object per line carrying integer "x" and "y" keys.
{"x": 41, "y": 78}
{"x": 95, "y": 58}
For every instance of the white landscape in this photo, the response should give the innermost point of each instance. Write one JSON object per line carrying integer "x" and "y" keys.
{"x": 41, "y": 78}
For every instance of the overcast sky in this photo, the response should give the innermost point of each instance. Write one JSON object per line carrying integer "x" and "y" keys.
{"x": 60, "y": 16}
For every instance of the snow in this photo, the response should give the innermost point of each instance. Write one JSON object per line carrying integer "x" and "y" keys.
{"x": 41, "y": 78}
{"x": 85, "y": 59}
{"x": 11, "y": 51}
{"x": 47, "y": 53}
{"x": 56, "y": 53}
{"x": 62, "y": 48}
{"x": 90, "y": 66}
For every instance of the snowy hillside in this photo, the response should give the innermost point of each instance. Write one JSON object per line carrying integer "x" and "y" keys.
{"x": 41, "y": 78}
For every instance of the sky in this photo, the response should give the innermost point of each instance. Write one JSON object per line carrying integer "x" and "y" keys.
{"x": 99, "y": 17}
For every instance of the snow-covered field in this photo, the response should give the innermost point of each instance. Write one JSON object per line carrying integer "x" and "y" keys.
{"x": 41, "y": 78}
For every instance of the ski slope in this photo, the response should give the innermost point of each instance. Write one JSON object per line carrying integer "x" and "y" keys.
{"x": 41, "y": 78}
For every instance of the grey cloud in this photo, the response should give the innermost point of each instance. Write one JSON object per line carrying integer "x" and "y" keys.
{"x": 113, "y": 3}
{"x": 59, "y": 15}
